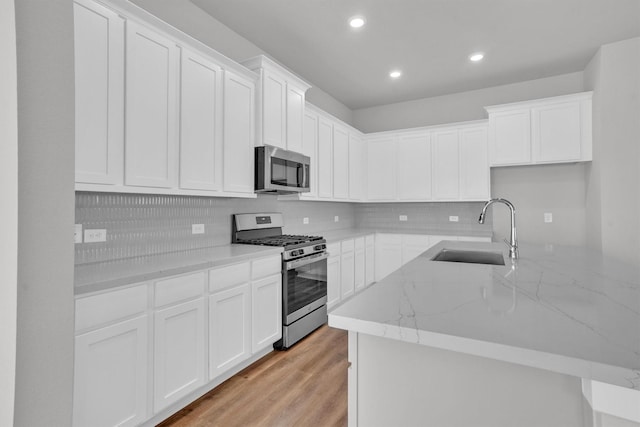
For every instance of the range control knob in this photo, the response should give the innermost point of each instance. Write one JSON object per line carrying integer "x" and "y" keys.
{"x": 319, "y": 247}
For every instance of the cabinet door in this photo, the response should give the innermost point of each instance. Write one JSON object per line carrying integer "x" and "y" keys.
{"x": 295, "y": 116}
{"x": 266, "y": 312}
{"x": 333, "y": 281}
{"x": 388, "y": 254}
{"x": 200, "y": 123}
{"x": 360, "y": 268}
{"x": 556, "y": 132}
{"x": 414, "y": 167}
{"x": 325, "y": 158}
{"x": 357, "y": 161}
{"x": 151, "y": 108}
{"x": 239, "y": 135}
{"x": 510, "y": 137}
{"x": 309, "y": 148}
{"x": 99, "y": 91}
{"x": 474, "y": 164}
{"x": 274, "y": 92}
{"x": 445, "y": 165}
{"x": 347, "y": 274}
{"x": 179, "y": 352}
{"x": 381, "y": 169}
{"x": 111, "y": 371}
{"x": 413, "y": 245}
{"x": 340, "y": 163}
{"x": 229, "y": 329}
{"x": 370, "y": 265}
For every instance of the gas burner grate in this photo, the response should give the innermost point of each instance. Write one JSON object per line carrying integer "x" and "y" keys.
{"x": 280, "y": 240}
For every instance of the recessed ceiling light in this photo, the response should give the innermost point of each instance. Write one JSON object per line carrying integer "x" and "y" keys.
{"x": 476, "y": 57}
{"x": 356, "y": 21}
{"x": 395, "y": 74}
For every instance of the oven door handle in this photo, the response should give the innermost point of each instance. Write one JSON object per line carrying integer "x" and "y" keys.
{"x": 290, "y": 265}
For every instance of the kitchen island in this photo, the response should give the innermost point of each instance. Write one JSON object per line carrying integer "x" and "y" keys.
{"x": 550, "y": 339}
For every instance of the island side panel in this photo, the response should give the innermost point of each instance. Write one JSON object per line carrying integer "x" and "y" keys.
{"x": 400, "y": 383}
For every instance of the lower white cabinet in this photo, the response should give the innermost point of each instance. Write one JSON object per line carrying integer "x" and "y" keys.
{"x": 370, "y": 260}
{"x": 333, "y": 275}
{"x": 388, "y": 254}
{"x": 413, "y": 245}
{"x": 111, "y": 375}
{"x": 347, "y": 269}
{"x": 179, "y": 352}
{"x": 359, "y": 264}
{"x": 229, "y": 328}
{"x": 266, "y": 312}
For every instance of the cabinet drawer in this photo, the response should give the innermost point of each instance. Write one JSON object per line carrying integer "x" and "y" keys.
{"x": 178, "y": 289}
{"x": 228, "y": 276}
{"x": 111, "y": 306}
{"x": 266, "y": 266}
{"x": 333, "y": 249}
{"x": 347, "y": 246}
{"x": 370, "y": 240}
{"x": 359, "y": 243}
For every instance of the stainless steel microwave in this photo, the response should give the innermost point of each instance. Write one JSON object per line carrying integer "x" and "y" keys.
{"x": 280, "y": 171}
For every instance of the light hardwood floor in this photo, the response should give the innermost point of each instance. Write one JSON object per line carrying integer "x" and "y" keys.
{"x": 303, "y": 386}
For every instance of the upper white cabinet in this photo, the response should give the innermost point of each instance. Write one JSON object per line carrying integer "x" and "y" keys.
{"x": 151, "y": 130}
{"x": 381, "y": 168}
{"x": 325, "y": 158}
{"x": 238, "y": 133}
{"x": 340, "y": 163}
{"x": 99, "y": 91}
{"x": 550, "y": 130}
{"x": 445, "y": 164}
{"x": 414, "y": 166}
{"x": 200, "y": 123}
{"x": 357, "y": 164}
{"x": 474, "y": 163}
{"x": 281, "y": 105}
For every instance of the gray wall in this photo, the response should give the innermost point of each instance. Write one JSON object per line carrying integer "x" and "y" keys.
{"x": 192, "y": 20}
{"x": 8, "y": 210}
{"x": 463, "y": 106}
{"x": 44, "y": 371}
{"x": 613, "y": 194}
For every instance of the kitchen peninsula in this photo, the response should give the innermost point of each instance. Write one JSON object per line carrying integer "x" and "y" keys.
{"x": 527, "y": 343}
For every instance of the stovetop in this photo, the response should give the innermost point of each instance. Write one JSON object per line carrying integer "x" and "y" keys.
{"x": 284, "y": 240}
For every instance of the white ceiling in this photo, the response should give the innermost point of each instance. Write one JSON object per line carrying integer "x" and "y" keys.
{"x": 429, "y": 40}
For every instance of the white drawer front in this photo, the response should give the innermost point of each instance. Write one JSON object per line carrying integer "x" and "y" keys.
{"x": 370, "y": 240}
{"x": 266, "y": 267}
{"x": 333, "y": 249}
{"x": 347, "y": 246}
{"x": 179, "y": 288}
{"x": 231, "y": 275}
{"x": 97, "y": 310}
{"x": 359, "y": 243}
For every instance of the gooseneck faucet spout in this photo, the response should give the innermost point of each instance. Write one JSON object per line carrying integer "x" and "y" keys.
{"x": 513, "y": 243}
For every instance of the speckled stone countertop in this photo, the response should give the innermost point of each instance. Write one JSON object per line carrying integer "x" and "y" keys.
{"x": 112, "y": 274}
{"x": 563, "y": 309}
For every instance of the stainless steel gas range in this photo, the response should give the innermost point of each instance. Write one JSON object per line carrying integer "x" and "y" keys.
{"x": 304, "y": 272}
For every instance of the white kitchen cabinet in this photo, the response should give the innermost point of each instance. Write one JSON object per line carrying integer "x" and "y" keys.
{"x": 201, "y": 160}
{"x": 381, "y": 168}
{"x": 445, "y": 165}
{"x": 281, "y": 105}
{"x": 333, "y": 275}
{"x": 111, "y": 375}
{"x": 359, "y": 263}
{"x": 239, "y": 133}
{"x": 229, "y": 328}
{"x": 388, "y": 256}
{"x": 414, "y": 167}
{"x": 151, "y": 130}
{"x": 357, "y": 164}
{"x": 266, "y": 312}
{"x": 370, "y": 260}
{"x": 347, "y": 269}
{"x": 99, "y": 93}
{"x": 179, "y": 351}
{"x": 340, "y": 163}
{"x": 325, "y": 158}
{"x": 549, "y": 130}
{"x": 310, "y": 148}
{"x": 474, "y": 164}
{"x": 413, "y": 245}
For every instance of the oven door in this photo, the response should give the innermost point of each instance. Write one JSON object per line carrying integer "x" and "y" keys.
{"x": 304, "y": 286}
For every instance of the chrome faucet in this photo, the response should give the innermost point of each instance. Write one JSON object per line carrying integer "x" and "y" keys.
{"x": 513, "y": 243}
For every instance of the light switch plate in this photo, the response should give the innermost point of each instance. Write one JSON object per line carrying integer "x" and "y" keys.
{"x": 548, "y": 217}
{"x": 95, "y": 235}
{"x": 197, "y": 228}
{"x": 305, "y": 220}
{"x": 336, "y": 218}
{"x": 402, "y": 218}
{"x": 77, "y": 233}
{"x": 453, "y": 218}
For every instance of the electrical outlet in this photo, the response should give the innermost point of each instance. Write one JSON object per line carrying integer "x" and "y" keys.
{"x": 197, "y": 228}
{"x": 336, "y": 218}
{"x": 95, "y": 235}
{"x": 77, "y": 233}
{"x": 305, "y": 220}
{"x": 402, "y": 217}
{"x": 548, "y": 217}
{"x": 453, "y": 218}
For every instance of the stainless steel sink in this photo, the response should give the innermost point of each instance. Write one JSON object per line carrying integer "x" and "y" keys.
{"x": 472, "y": 257}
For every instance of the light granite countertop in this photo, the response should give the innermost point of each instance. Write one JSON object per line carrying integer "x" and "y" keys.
{"x": 112, "y": 274}
{"x": 563, "y": 309}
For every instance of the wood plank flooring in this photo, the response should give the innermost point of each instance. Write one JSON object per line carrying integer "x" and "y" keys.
{"x": 303, "y": 386}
